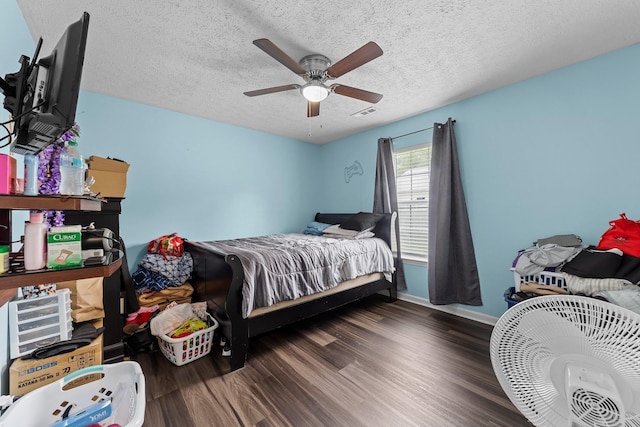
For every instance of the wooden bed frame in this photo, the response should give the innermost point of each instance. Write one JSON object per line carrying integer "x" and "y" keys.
{"x": 218, "y": 279}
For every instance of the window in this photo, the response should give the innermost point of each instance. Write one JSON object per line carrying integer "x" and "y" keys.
{"x": 412, "y": 183}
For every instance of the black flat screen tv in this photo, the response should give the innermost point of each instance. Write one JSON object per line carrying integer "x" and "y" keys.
{"x": 42, "y": 97}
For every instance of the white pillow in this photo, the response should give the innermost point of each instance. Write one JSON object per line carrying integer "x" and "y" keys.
{"x": 337, "y": 232}
{"x": 335, "y": 229}
{"x": 360, "y": 235}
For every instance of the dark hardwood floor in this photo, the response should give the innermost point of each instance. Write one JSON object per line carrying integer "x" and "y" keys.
{"x": 371, "y": 363}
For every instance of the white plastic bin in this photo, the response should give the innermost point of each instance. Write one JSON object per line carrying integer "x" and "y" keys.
{"x": 181, "y": 351}
{"x": 549, "y": 278}
{"x": 122, "y": 382}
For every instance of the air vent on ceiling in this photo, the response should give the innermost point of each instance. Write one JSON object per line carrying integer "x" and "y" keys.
{"x": 364, "y": 112}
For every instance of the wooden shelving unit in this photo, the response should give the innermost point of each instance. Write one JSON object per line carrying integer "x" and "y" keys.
{"x": 56, "y": 203}
{"x": 16, "y": 280}
{"x": 10, "y": 281}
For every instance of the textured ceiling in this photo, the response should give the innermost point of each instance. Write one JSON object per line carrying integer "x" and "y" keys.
{"x": 197, "y": 56}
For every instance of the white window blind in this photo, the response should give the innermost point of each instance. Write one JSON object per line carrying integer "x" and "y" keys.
{"x": 412, "y": 184}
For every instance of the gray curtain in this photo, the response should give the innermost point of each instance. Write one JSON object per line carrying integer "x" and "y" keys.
{"x": 453, "y": 274}
{"x": 385, "y": 199}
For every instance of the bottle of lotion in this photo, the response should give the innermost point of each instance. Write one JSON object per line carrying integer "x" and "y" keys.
{"x": 35, "y": 242}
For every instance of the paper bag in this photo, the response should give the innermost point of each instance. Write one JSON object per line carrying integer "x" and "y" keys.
{"x": 86, "y": 298}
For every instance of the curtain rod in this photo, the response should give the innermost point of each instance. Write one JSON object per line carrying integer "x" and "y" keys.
{"x": 411, "y": 133}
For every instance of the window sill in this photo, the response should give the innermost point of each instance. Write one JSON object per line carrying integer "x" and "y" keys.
{"x": 407, "y": 259}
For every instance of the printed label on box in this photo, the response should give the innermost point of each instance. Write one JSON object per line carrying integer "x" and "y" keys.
{"x": 64, "y": 247}
{"x": 26, "y": 375}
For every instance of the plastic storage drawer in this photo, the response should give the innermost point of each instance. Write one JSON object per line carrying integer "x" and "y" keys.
{"x": 40, "y": 321}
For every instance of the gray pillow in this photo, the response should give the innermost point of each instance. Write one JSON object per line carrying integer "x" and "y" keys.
{"x": 362, "y": 221}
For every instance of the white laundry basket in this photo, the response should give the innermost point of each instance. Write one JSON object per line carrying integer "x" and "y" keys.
{"x": 549, "y": 278}
{"x": 181, "y": 351}
{"x": 121, "y": 382}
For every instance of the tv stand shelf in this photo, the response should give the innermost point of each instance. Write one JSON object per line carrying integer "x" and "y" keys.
{"x": 10, "y": 281}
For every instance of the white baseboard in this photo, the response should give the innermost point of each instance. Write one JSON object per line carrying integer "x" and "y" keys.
{"x": 451, "y": 309}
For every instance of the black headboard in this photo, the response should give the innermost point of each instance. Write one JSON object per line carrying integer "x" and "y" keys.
{"x": 381, "y": 230}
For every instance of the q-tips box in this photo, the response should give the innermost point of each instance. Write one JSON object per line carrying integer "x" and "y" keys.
{"x": 64, "y": 247}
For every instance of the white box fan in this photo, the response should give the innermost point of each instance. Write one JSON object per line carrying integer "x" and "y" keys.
{"x": 570, "y": 361}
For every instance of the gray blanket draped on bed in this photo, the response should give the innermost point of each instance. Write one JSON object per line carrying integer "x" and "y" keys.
{"x": 283, "y": 267}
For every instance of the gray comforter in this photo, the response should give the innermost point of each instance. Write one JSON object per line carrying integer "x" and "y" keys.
{"x": 283, "y": 267}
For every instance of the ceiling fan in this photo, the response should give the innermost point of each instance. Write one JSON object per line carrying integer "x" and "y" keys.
{"x": 316, "y": 69}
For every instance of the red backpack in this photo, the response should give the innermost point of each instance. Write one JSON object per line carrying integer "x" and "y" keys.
{"x": 623, "y": 234}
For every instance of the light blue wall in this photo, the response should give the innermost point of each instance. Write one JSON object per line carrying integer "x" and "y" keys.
{"x": 555, "y": 154}
{"x": 201, "y": 179}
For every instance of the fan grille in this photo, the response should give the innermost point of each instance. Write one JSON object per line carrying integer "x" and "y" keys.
{"x": 593, "y": 409}
{"x": 533, "y": 334}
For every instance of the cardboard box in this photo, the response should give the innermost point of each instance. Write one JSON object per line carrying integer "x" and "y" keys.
{"x": 111, "y": 165}
{"x": 108, "y": 184}
{"x": 26, "y": 375}
{"x": 110, "y": 176}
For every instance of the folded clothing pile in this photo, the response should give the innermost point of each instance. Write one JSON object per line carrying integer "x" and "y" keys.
{"x": 548, "y": 254}
{"x": 178, "y": 294}
{"x": 157, "y": 272}
{"x": 608, "y": 274}
{"x": 163, "y": 273}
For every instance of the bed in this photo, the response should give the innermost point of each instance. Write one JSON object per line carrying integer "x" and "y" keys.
{"x": 220, "y": 278}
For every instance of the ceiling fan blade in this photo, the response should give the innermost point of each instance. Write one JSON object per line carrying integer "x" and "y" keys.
{"x": 276, "y": 53}
{"x": 354, "y": 60}
{"x": 313, "y": 109}
{"x": 271, "y": 90}
{"x": 356, "y": 93}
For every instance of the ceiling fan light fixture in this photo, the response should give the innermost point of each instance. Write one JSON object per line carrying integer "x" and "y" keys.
{"x": 316, "y": 69}
{"x": 314, "y": 91}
